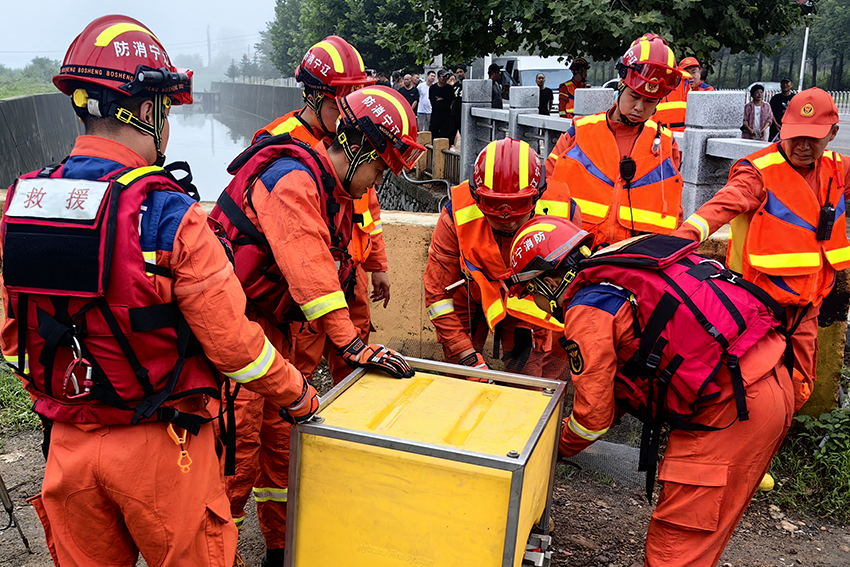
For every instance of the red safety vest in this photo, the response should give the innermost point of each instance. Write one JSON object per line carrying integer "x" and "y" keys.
{"x": 259, "y": 274}
{"x": 481, "y": 260}
{"x": 361, "y": 242}
{"x": 591, "y": 170}
{"x": 75, "y": 271}
{"x": 776, "y": 246}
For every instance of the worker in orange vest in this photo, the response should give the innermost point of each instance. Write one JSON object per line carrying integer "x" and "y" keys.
{"x": 692, "y": 67}
{"x": 567, "y": 90}
{"x": 620, "y": 166}
{"x": 469, "y": 252}
{"x": 785, "y": 204}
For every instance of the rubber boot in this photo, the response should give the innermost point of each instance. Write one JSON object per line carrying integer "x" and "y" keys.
{"x": 273, "y": 558}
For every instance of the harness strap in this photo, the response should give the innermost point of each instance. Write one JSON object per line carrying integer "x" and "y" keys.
{"x": 698, "y": 315}
{"x": 140, "y": 371}
{"x": 22, "y": 313}
{"x": 158, "y": 270}
{"x": 789, "y": 346}
{"x": 240, "y": 220}
{"x": 730, "y": 307}
{"x": 152, "y": 317}
{"x": 227, "y": 434}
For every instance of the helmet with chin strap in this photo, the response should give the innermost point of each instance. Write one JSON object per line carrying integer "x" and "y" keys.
{"x": 648, "y": 67}
{"x": 507, "y": 180}
{"x": 541, "y": 247}
{"x": 114, "y": 58}
{"x": 387, "y": 122}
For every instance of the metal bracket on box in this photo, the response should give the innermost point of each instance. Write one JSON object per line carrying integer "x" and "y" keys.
{"x": 537, "y": 551}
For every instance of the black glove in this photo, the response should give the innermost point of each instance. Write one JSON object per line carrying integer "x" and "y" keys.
{"x": 304, "y": 407}
{"x": 357, "y": 353}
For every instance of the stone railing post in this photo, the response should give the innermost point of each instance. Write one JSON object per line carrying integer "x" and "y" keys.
{"x": 594, "y": 100}
{"x": 710, "y": 115}
{"x": 476, "y": 94}
{"x": 524, "y": 100}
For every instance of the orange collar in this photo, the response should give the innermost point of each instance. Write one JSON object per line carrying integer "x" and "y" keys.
{"x": 104, "y": 148}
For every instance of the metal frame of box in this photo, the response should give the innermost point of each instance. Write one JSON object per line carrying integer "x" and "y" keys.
{"x": 515, "y": 464}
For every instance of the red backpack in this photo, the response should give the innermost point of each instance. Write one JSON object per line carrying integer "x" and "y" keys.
{"x": 691, "y": 316}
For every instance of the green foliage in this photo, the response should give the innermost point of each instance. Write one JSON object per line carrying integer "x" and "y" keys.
{"x": 15, "y": 405}
{"x": 35, "y": 78}
{"x": 814, "y": 465}
{"x": 366, "y": 24}
{"x": 601, "y": 29}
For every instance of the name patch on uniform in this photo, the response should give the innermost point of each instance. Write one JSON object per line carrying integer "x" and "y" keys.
{"x": 575, "y": 356}
{"x": 69, "y": 199}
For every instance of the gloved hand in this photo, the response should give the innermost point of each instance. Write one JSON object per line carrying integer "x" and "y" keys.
{"x": 357, "y": 353}
{"x": 475, "y": 360}
{"x": 304, "y": 407}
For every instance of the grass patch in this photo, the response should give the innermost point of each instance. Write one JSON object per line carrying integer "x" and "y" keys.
{"x": 813, "y": 466}
{"x": 15, "y": 405}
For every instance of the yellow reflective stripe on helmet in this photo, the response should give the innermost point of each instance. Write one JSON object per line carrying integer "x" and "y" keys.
{"x": 490, "y": 164}
{"x": 592, "y": 119}
{"x": 647, "y": 217}
{"x": 131, "y": 176}
{"x": 584, "y": 432}
{"x": 544, "y": 227}
{"x": 644, "y": 49}
{"x": 592, "y": 209}
{"x": 334, "y": 53}
{"x": 773, "y": 158}
{"x": 494, "y": 311}
{"x": 468, "y": 214}
{"x": 553, "y": 208}
{"x": 838, "y": 255}
{"x": 524, "y": 150}
{"x": 440, "y": 308}
{"x": 680, "y": 104}
{"x": 256, "y": 369}
{"x": 110, "y": 33}
{"x": 379, "y": 227}
{"x": 671, "y": 59}
{"x": 15, "y": 360}
{"x": 405, "y": 127}
{"x": 700, "y": 224}
{"x": 270, "y": 494}
{"x": 323, "y": 305}
{"x": 793, "y": 260}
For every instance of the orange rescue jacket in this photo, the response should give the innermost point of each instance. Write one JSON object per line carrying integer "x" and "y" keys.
{"x": 591, "y": 170}
{"x": 671, "y": 111}
{"x": 776, "y": 246}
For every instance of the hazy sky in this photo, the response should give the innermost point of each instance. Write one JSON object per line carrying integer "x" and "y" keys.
{"x": 32, "y": 28}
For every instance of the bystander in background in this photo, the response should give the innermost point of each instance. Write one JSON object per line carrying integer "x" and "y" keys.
{"x": 757, "y": 116}
{"x": 423, "y": 114}
{"x": 409, "y": 91}
{"x": 495, "y": 74}
{"x": 441, "y": 94}
{"x": 779, "y": 104}
{"x": 544, "y": 105}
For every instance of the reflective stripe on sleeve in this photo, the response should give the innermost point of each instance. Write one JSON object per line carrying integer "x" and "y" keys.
{"x": 258, "y": 368}
{"x": 324, "y": 305}
{"x": 700, "y": 224}
{"x": 379, "y": 227}
{"x": 239, "y": 521}
{"x": 270, "y": 494}
{"x": 495, "y": 311}
{"x": 14, "y": 360}
{"x": 583, "y": 432}
{"x": 440, "y": 308}
{"x": 792, "y": 260}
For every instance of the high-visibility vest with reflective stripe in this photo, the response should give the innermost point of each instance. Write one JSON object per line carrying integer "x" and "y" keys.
{"x": 481, "y": 260}
{"x": 776, "y": 246}
{"x": 289, "y": 123}
{"x": 591, "y": 170}
{"x": 672, "y": 110}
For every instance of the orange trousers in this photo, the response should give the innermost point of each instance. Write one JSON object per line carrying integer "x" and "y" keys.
{"x": 709, "y": 478}
{"x": 262, "y": 436}
{"x": 113, "y": 492}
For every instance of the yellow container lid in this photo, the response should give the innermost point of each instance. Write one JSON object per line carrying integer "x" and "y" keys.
{"x": 439, "y": 410}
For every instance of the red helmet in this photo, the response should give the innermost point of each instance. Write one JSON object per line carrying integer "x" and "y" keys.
{"x": 333, "y": 67}
{"x": 542, "y": 245}
{"x": 579, "y": 63}
{"x": 649, "y": 67}
{"x": 388, "y": 122}
{"x": 507, "y": 179}
{"x": 123, "y": 55}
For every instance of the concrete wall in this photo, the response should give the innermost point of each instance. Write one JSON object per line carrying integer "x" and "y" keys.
{"x": 35, "y": 131}
{"x": 261, "y": 101}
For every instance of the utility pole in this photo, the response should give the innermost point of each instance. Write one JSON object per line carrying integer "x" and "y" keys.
{"x": 803, "y": 63}
{"x": 209, "y": 48}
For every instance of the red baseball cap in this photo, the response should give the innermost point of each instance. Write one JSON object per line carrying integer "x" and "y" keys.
{"x": 689, "y": 62}
{"x": 811, "y": 114}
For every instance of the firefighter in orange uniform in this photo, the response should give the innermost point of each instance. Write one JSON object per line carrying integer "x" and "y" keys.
{"x": 620, "y": 166}
{"x": 709, "y": 477}
{"x": 314, "y": 124}
{"x": 795, "y": 188}
{"x": 567, "y": 90}
{"x": 118, "y": 329}
{"x": 471, "y": 243}
{"x": 289, "y": 212}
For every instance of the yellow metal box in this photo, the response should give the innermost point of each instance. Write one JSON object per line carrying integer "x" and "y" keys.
{"x": 432, "y": 470}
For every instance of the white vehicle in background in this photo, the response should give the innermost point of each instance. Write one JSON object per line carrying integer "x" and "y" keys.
{"x": 522, "y": 70}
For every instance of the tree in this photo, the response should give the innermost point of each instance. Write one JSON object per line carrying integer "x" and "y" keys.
{"x": 246, "y": 68}
{"x": 42, "y": 69}
{"x": 232, "y": 71}
{"x": 600, "y": 29}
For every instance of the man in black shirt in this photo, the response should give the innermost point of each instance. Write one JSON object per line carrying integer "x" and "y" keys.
{"x": 409, "y": 91}
{"x": 441, "y": 95}
{"x": 495, "y": 74}
{"x": 460, "y": 76}
{"x": 778, "y": 104}
{"x": 545, "y": 104}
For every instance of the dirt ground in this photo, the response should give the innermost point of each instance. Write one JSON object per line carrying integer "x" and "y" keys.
{"x": 597, "y": 524}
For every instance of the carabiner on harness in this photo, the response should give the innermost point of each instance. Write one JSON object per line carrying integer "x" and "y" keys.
{"x": 71, "y": 378}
